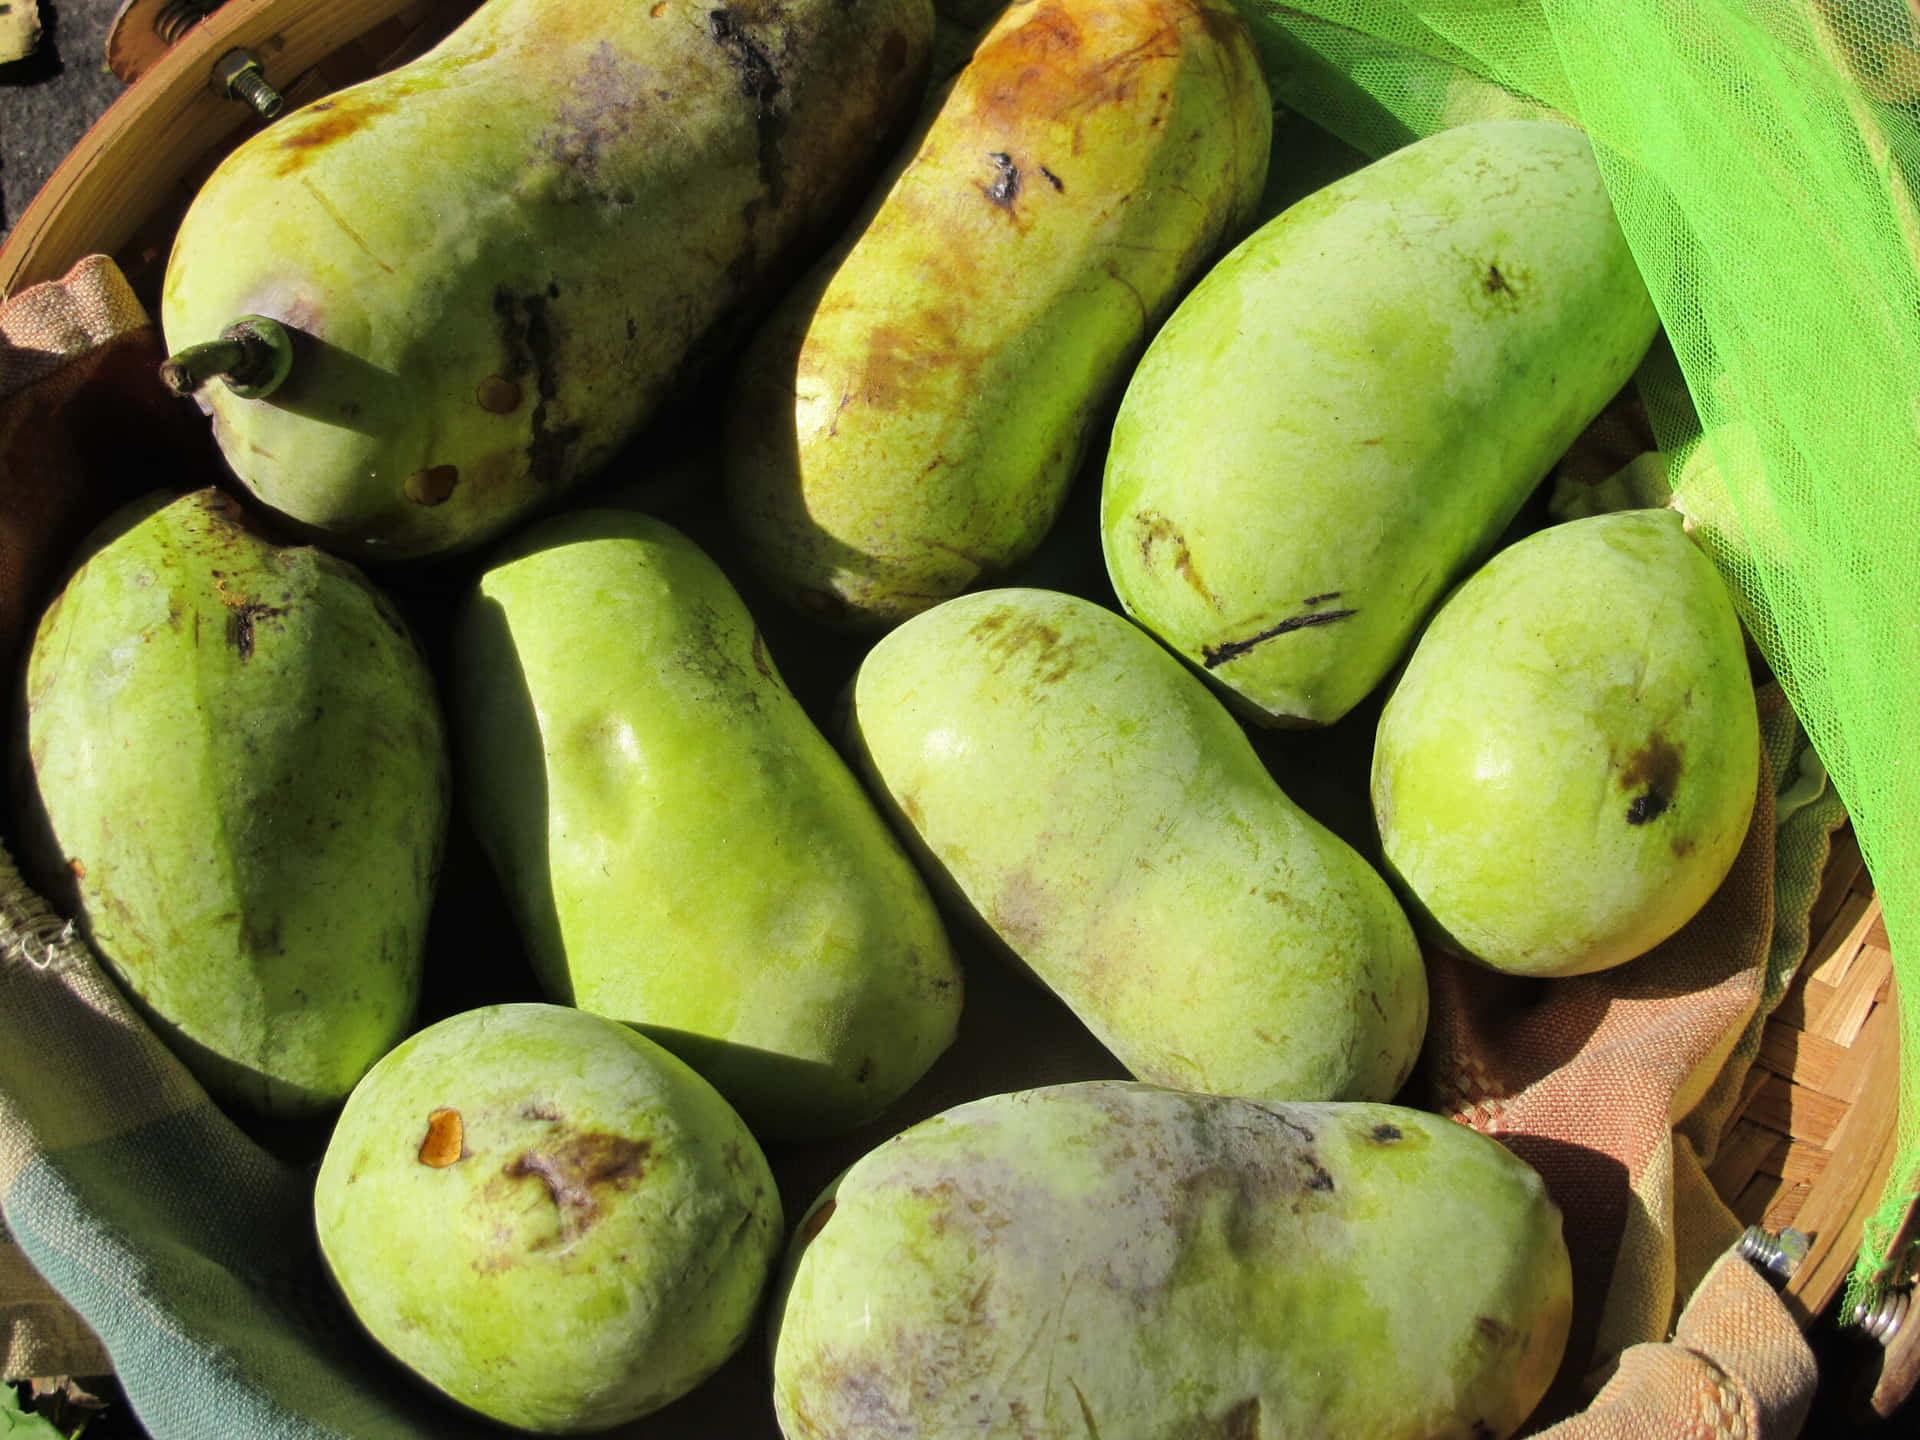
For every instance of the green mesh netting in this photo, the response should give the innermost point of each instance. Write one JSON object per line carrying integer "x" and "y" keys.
{"x": 1762, "y": 156}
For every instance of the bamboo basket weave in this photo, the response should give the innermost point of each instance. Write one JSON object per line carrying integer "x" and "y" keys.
{"x": 1812, "y": 1139}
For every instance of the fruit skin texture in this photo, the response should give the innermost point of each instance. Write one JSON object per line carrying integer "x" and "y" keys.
{"x": 238, "y": 788}
{"x": 1566, "y": 769}
{"x": 1407, "y": 352}
{"x": 683, "y": 848}
{"x": 1078, "y": 790}
{"x": 1108, "y": 1258}
{"x": 502, "y": 257}
{"x": 585, "y": 1240}
{"x": 906, "y": 424}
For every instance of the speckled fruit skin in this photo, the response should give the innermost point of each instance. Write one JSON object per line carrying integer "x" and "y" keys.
{"x": 682, "y": 846}
{"x": 1566, "y": 769}
{"x": 1114, "y": 1259}
{"x": 237, "y": 785}
{"x": 502, "y": 257}
{"x": 1075, "y": 787}
{"x": 586, "y": 1239}
{"x": 1346, "y": 412}
{"x": 906, "y": 424}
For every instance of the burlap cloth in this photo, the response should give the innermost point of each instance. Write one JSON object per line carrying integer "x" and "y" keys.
{"x": 176, "y": 1250}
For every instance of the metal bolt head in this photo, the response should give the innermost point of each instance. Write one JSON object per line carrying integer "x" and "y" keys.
{"x": 238, "y": 75}
{"x": 1775, "y": 1255}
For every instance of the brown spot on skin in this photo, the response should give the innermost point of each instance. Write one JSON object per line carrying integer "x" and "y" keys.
{"x": 1214, "y": 656}
{"x": 498, "y": 395}
{"x": 1053, "y": 180}
{"x": 539, "y": 1110}
{"x": 1493, "y": 1331}
{"x": 577, "y": 1169}
{"x": 76, "y": 869}
{"x": 445, "y": 1142}
{"x": 1156, "y": 530}
{"x": 817, "y": 1221}
{"x": 243, "y": 616}
{"x": 1005, "y": 636}
{"x": 1322, "y": 598}
{"x": 527, "y": 340}
{"x": 893, "y": 52}
{"x": 1654, "y": 771}
{"x": 301, "y": 136}
{"x": 1495, "y": 283}
{"x": 1386, "y": 1134}
{"x": 760, "y": 661}
{"x": 431, "y": 486}
{"x": 658, "y": 10}
{"x": 1242, "y": 1422}
{"x": 865, "y": 1072}
{"x": 759, "y": 80}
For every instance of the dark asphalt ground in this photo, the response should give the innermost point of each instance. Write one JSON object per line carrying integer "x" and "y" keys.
{"x": 48, "y": 100}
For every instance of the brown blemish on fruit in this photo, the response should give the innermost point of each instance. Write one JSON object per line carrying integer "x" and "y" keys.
{"x": 578, "y": 1169}
{"x": 1157, "y": 530}
{"x": 1496, "y": 283}
{"x": 243, "y": 616}
{"x": 1654, "y": 771}
{"x": 327, "y": 123}
{"x": 1006, "y": 636}
{"x": 893, "y": 52}
{"x": 527, "y": 339}
{"x": 1053, "y": 180}
{"x": 445, "y": 1142}
{"x": 1494, "y": 1332}
{"x": 658, "y": 10}
{"x": 1214, "y": 656}
{"x": 431, "y": 486}
{"x": 76, "y": 869}
{"x": 1242, "y": 1422}
{"x": 1384, "y": 1134}
{"x": 760, "y": 661}
{"x": 498, "y": 395}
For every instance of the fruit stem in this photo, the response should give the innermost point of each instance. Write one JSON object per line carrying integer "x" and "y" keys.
{"x": 253, "y": 355}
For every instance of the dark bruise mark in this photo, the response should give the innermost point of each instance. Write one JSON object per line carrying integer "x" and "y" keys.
{"x": 241, "y": 620}
{"x": 1386, "y": 1134}
{"x": 1649, "y": 806}
{"x": 894, "y": 51}
{"x": 817, "y": 1221}
{"x": 760, "y": 661}
{"x": 1157, "y": 530}
{"x": 1053, "y": 657}
{"x": 759, "y": 81}
{"x": 1053, "y": 180}
{"x": 865, "y": 1072}
{"x": 1086, "y": 1410}
{"x": 528, "y": 341}
{"x": 601, "y": 112}
{"x": 539, "y": 1110}
{"x": 1483, "y": 1431}
{"x": 1494, "y": 283}
{"x": 1317, "y": 1176}
{"x": 1654, "y": 771}
{"x": 577, "y": 1169}
{"x": 1494, "y": 1332}
{"x": 1322, "y": 598}
{"x": 324, "y": 124}
{"x": 1242, "y": 1422}
{"x": 1213, "y": 656}
{"x": 1005, "y": 188}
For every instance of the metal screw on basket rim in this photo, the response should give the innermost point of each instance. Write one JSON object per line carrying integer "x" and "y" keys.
{"x": 237, "y": 74}
{"x": 1882, "y": 1315}
{"x": 1778, "y": 1255}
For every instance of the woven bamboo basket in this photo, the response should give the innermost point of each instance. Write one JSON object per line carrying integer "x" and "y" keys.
{"x": 1812, "y": 1139}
